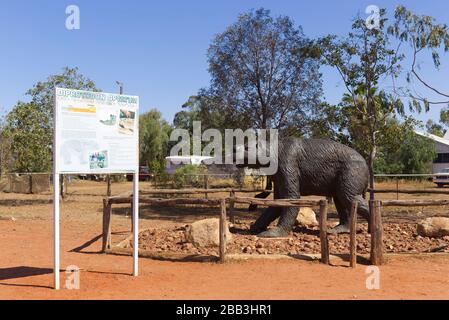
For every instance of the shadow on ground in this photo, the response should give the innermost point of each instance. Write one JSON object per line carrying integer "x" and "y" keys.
{"x": 27, "y": 202}
{"x": 22, "y": 272}
{"x": 182, "y": 214}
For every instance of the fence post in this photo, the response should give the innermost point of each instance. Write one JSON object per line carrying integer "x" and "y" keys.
{"x": 352, "y": 236}
{"x": 109, "y": 188}
{"x": 107, "y": 212}
{"x": 323, "y": 232}
{"x": 397, "y": 188}
{"x": 30, "y": 183}
{"x": 222, "y": 230}
{"x": 206, "y": 184}
{"x": 376, "y": 233}
{"x": 231, "y": 207}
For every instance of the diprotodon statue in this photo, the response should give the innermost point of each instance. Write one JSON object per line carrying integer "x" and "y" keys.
{"x": 315, "y": 167}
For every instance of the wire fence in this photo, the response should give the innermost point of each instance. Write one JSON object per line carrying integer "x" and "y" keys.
{"x": 42, "y": 181}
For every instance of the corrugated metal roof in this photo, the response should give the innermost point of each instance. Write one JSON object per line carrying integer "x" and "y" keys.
{"x": 433, "y": 137}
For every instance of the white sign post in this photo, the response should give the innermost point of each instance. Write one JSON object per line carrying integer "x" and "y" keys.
{"x": 95, "y": 133}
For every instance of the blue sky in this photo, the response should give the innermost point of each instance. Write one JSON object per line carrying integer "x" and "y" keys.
{"x": 158, "y": 48}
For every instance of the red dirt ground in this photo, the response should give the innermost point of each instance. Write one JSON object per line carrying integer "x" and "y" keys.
{"x": 26, "y": 262}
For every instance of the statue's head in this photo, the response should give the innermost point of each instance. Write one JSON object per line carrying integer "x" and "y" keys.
{"x": 262, "y": 155}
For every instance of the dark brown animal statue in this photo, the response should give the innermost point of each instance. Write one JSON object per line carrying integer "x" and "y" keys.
{"x": 315, "y": 167}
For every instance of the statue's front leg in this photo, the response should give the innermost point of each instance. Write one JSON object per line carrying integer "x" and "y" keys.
{"x": 285, "y": 225}
{"x": 288, "y": 189}
{"x": 268, "y": 216}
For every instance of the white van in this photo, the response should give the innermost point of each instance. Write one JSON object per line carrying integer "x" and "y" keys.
{"x": 441, "y": 178}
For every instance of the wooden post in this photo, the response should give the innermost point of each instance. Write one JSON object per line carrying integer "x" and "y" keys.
{"x": 222, "y": 230}
{"x": 109, "y": 188}
{"x": 30, "y": 183}
{"x": 352, "y": 236}
{"x": 206, "y": 184}
{"x": 376, "y": 233}
{"x": 231, "y": 207}
{"x": 397, "y": 189}
{"x": 323, "y": 232}
{"x": 107, "y": 212}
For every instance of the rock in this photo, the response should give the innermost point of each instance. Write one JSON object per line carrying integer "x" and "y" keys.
{"x": 187, "y": 246}
{"x": 436, "y": 227}
{"x": 306, "y": 217}
{"x": 205, "y": 233}
{"x": 309, "y": 245}
{"x": 8, "y": 218}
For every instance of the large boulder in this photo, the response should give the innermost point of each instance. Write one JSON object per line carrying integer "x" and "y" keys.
{"x": 206, "y": 233}
{"x": 436, "y": 227}
{"x": 306, "y": 217}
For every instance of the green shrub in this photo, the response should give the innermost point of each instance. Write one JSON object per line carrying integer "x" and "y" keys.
{"x": 188, "y": 175}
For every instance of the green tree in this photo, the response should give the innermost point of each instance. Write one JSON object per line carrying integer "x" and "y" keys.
{"x": 154, "y": 134}
{"x": 203, "y": 107}
{"x": 423, "y": 34}
{"x": 356, "y": 124}
{"x": 414, "y": 154}
{"x": 434, "y": 128}
{"x": 30, "y": 143}
{"x": 5, "y": 152}
{"x": 329, "y": 123}
{"x": 263, "y": 75}
{"x": 29, "y": 126}
{"x": 42, "y": 93}
{"x": 363, "y": 59}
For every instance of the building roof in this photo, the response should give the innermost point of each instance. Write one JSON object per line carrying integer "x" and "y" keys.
{"x": 433, "y": 137}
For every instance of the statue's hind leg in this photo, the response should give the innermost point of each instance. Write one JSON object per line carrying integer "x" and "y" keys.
{"x": 362, "y": 208}
{"x": 343, "y": 208}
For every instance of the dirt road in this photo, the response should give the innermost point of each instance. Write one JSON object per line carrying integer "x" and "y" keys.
{"x": 26, "y": 262}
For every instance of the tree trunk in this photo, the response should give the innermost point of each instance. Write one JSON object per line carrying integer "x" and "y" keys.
{"x": 372, "y": 157}
{"x": 62, "y": 186}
